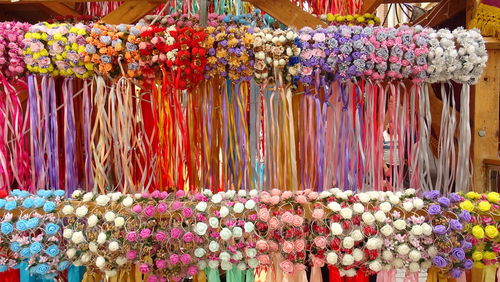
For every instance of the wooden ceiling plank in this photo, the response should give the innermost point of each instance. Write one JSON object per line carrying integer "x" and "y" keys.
{"x": 444, "y": 10}
{"x": 369, "y": 6}
{"x": 129, "y": 12}
{"x": 288, "y": 13}
{"x": 60, "y": 9}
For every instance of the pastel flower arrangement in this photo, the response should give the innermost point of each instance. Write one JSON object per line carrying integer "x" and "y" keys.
{"x": 11, "y": 48}
{"x": 36, "y": 53}
{"x": 68, "y": 48}
{"x": 337, "y": 19}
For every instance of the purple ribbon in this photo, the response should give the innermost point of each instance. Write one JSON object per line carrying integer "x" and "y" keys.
{"x": 89, "y": 180}
{"x": 36, "y": 154}
{"x": 69, "y": 137}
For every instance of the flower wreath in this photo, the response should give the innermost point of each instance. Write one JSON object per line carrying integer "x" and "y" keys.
{"x": 11, "y": 48}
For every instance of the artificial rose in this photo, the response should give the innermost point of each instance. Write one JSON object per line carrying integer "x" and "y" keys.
{"x": 336, "y": 229}
{"x": 297, "y": 220}
{"x": 346, "y": 213}
{"x": 320, "y": 242}
{"x": 347, "y": 259}
{"x": 288, "y": 247}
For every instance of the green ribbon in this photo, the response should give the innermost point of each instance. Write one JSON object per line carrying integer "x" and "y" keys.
{"x": 250, "y": 276}
{"x": 212, "y": 274}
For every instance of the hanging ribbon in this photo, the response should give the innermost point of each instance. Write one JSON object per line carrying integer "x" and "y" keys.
{"x": 71, "y": 177}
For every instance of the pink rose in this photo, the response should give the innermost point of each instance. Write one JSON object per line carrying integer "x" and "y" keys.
{"x": 301, "y": 199}
{"x": 320, "y": 242}
{"x": 287, "y": 247}
{"x": 287, "y": 217}
{"x": 149, "y": 211}
{"x": 306, "y": 55}
{"x": 318, "y": 213}
{"x": 160, "y": 236}
{"x": 299, "y": 267}
{"x": 187, "y": 212}
{"x": 188, "y": 237}
{"x": 262, "y": 245}
{"x": 275, "y": 200}
{"x": 143, "y": 45}
{"x": 163, "y": 57}
{"x": 155, "y": 194}
{"x": 137, "y": 208}
{"x": 185, "y": 259}
{"x": 192, "y": 270}
{"x": 286, "y": 195}
{"x": 307, "y": 191}
{"x": 174, "y": 259}
{"x": 287, "y": 266}
{"x": 273, "y": 246}
{"x": 145, "y": 194}
{"x": 264, "y": 214}
{"x": 273, "y": 223}
{"x": 264, "y": 259}
{"x": 265, "y": 197}
{"x": 144, "y": 268}
{"x": 131, "y": 236}
{"x": 131, "y": 255}
{"x": 297, "y": 220}
{"x": 299, "y": 245}
{"x": 162, "y": 207}
{"x": 145, "y": 233}
{"x": 180, "y": 194}
{"x": 306, "y": 71}
{"x": 163, "y": 195}
{"x": 275, "y": 192}
{"x": 161, "y": 263}
{"x": 313, "y": 196}
{"x": 153, "y": 278}
{"x": 176, "y": 205}
{"x": 175, "y": 233}
{"x": 317, "y": 261}
{"x": 305, "y": 37}
{"x": 319, "y": 37}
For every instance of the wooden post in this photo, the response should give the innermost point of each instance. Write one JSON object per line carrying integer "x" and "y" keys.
{"x": 485, "y": 117}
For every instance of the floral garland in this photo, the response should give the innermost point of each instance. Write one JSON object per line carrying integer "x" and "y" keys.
{"x": 336, "y": 19}
{"x": 11, "y": 48}
{"x": 36, "y": 54}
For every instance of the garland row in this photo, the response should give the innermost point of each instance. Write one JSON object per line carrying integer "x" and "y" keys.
{"x": 175, "y": 235}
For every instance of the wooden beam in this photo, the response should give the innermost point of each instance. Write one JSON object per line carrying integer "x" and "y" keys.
{"x": 444, "y": 10}
{"x": 288, "y": 13}
{"x": 60, "y": 9}
{"x": 486, "y": 123}
{"x": 129, "y": 12}
{"x": 492, "y": 43}
{"x": 369, "y": 6}
{"x": 408, "y": 1}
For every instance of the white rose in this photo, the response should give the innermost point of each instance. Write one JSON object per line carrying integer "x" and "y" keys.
{"x": 100, "y": 262}
{"x": 426, "y": 229}
{"x": 119, "y": 221}
{"x": 357, "y": 235}
{"x": 200, "y": 228}
{"x": 237, "y": 256}
{"x": 213, "y": 246}
{"x": 76, "y": 194}
{"x": 242, "y": 193}
{"x": 213, "y": 222}
{"x": 348, "y": 242}
{"x": 77, "y": 262}
{"x": 358, "y": 208}
{"x": 127, "y": 202}
{"x": 138, "y": 196}
{"x": 217, "y": 198}
{"x": 238, "y": 207}
{"x": 385, "y": 207}
{"x": 213, "y": 264}
{"x": 335, "y": 190}
{"x": 398, "y": 263}
{"x": 113, "y": 246}
{"x": 70, "y": 253}
{"x": 224, "y": 256}
{"x": 374, "y": 195}
{"x": 351, "y": 273}
{"x": 242, "y": 266}
{"x": 202, "y": 264}
{"x": 348, "y": 192}
{"x": 68, "y": 209}
{"x": 92, "y": 220}
{"x": 226, "y": 265}
{"x": 342, "y": 195}
{"x": 368, "y": 218}
{"x": 224, "y": 211}
{"x": 251, "y": 252}
{"x": 93, "y": 247}
{"x": 394, "y": 199}
{"x": 336, "y": 229}
{"x": 410, "y": 192}
{"x": 408, "y": 206}
{"x": 110, "y": 273}
{"x": 201, "y": 206}
{"x": 88, "y": 196}
{"x": 375, "y": 266}
{"x": 332, "y": 258}
{"x": 387, "y": 255}
{"x": 253, "y": 263}
{"x": 253, "y": 193}
{"x": 85, "y": 257}
{"x": 403, "y": 249}
{"x": 414, "y": 267}
{"x": 121, "y": 260}
{"x": 225, "y": 234}
{"x": 346, "y": 213}
{"x": 250, "y": 205}
{"x": 77, "y": 237}
{"x": 67, "y": 233}
{"x": 237, "y": 232}
{"x": 417, "y": 230}
{"x": 116, "y": 196}
{"x": 101, "y": 238}
{"x": 81, "y": 211}
{"x": 230, "y": 194}
{"x": 249, "y": 227}
{"x": 324, "y": 194}
{"x": 387, "y": 230}
{"x": 199, "y": 252}
{"x": 102, "y": 200}
{"x": 347, "y": 260}
{"x": 415, "y": 255}
{"x": 363, "y": 198}
{"x": 109, "y": 216}
{"x": 380, "y": 216}
{"x": 334, "y": 206}
{"x": 207, "y": 192}
{"x": 418, "y": 203}
{"x": 432, "y": 251}
{"x": 399, "y": 224}
{"x": 357, "y": 254}
{"x": 373, "y": 243}
{"x": 425, "y": 265}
